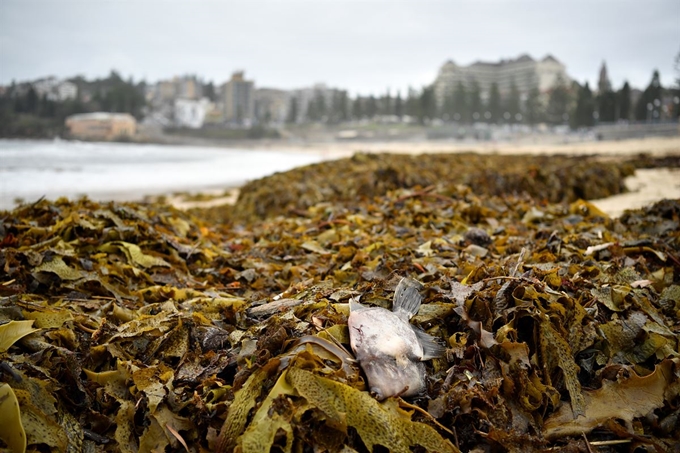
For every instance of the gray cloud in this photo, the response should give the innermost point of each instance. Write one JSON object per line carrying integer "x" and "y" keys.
{"x": 365, "y": 46}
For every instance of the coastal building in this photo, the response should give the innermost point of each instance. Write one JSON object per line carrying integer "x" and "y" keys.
{"x": 101, "y": 126}
{"x": 191, "y": 113}
{"x": 162, "y": 92}
{"x": 55, "y": 90}
{"x": 188, "y": 87}
{"x": 271, "y": 105}
{"x": 524, "y": 72}
{"x": 238, "y": 99}
{"x": 166, "y": 91}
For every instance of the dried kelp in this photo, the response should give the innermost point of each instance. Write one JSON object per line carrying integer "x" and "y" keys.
{"x": 136, "y": 327}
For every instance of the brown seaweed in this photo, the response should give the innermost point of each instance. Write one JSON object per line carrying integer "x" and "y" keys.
{"x": 135, "y": 327}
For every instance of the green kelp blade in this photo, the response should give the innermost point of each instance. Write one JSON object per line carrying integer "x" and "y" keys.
{"x": 555, "y": 347}
{"x": 623, "y": 399}
{"x": 125, "y": 427}
{"x": 41, "y": 427}
{"x": 377, "y": 423}
{"x": 13, "y": 331}
{"x": 244, "y": 400}
{"x": 135, "y": 255}
{"x": 11, "y": 430}
{"x": 59, "y": 267}
{"x": 260, "y": 435}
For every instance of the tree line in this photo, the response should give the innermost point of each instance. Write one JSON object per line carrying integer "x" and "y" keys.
{"x": 572, "y": 104}
{"x": 23, "y": 113}
{"x": 654, "y": 103}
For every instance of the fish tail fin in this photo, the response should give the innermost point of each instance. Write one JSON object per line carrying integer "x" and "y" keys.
{"x": 431, "y": 347}
{"x": 354, "y": 304}
{"x": 407, "y": 297}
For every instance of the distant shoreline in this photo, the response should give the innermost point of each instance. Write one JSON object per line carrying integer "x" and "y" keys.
{"x": 652, "y": 145}
{"x": 530, "y": 145}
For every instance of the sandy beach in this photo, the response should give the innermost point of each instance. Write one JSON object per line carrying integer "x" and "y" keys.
{"x": 645, "y": 187}
{"x": 656, "y": 146}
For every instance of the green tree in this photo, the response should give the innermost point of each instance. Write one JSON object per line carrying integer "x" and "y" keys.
{"x": 32, "y": 101}
{"x": 413, "y": 104}
{"x": 607, "y": 106}
{"x": 475, "y": 105}
{"x": 371, "y": 107}
{"x": 116, "y": 95}
{"x": 558, "y": 103}
{"x": 493, "y": 105}
{"x": 461, "y": 111}
{"x": 357, "y": 108}
{"x": 676, "y": 91}
{"x": 449, "y": 108}
{"x": 386, "y": 104}
{"x": 648, "y": 107}
{"x": 512, "y": 103}
{"x": 428, "y": 105}
{"x": 606, "y": 97}
{"x": 585, "y": 107}
{"x": 18, "y": 104}
{"x": 398, "y": 106}
{"x": 533, "y": 110}
{"x": 209, "y": 91}
{"x": 48, "y": 108}
{"x": 623, "y": 102}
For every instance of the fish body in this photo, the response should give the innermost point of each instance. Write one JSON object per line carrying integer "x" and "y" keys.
{"x": 389, "y": 349}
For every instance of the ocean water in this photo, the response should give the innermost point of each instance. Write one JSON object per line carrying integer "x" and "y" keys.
{"x": 30, "y": 169}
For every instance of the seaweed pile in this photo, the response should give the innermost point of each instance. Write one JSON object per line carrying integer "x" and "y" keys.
{"x": 552, "y": 178}
{"x": 137, "y": 327}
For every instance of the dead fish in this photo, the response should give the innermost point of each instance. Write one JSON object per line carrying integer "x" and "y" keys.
{"x": 389, "y": 349}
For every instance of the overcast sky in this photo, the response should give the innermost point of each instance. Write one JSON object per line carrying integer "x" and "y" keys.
{"x": 364, "y": 46}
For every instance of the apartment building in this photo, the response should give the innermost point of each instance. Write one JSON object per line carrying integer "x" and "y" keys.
{"x": 166, "y": 91}
{"x": 189, "y": 87}
{"x": 238, "y": 99}
{"x": 525, "y": 72}
{"x": 55, "y": 90}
